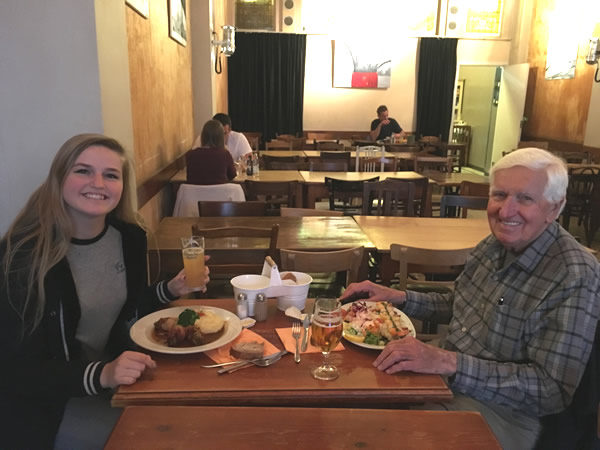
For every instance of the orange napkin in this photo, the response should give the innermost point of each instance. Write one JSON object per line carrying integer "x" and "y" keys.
{"x": 285, "y": 334}
{"x": 221, "y": 354}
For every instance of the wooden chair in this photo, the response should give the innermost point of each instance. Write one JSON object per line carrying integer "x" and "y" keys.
{"x": 421, "y": 193}
{"x": 378, "y": 164}
{"x": 273, "y": 193}
{"x": 236, "y": 263}
{"x": 328, "y": 166}
{"x": 302, "y": 165}
{"x": 536, "y": 144}
{"x": 268, "y": 160}
{"x": 348, "y": 262}
{"x": 329, "y": 145}
{"x": 253, "y": 139}
{"x": 473, "y": 189}
{"x": 388, "y": 198}
{"x": 583, "y": 194}
{"x": 336, "y": 156}
{"x": 575, "y": 157}
{"x": 276, "y": 144}
{"x": 231, "y": 209}
{"x": 368, "y": 151}
{"x": 304, "y": 212}
{"x": 439, "y": 163}
{"x": 345, "y": 191}
{"x": 432, "y": 264}
{"x": 296, "y": 143}
{"x": 459, "y": 205}
{"x": 431, "y": 144}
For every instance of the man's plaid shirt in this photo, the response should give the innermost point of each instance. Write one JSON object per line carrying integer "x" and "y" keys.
{"x": 523, "y": 333}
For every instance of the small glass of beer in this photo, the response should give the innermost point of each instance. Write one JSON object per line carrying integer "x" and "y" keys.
{"x": 193, "y": 261}
{"x": 326, "y": 332}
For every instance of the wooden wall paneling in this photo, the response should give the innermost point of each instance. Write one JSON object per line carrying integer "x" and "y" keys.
{"x": 556, "y": 109}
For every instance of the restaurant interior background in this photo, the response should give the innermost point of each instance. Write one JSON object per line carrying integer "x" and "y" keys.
{"x": 71, "y": 67}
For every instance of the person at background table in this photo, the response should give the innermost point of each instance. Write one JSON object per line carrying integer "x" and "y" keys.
{"x": 73, "y": 280}
{"x": 211, "y": 163}
{"x": 384, "y": 126}
{"x": 523, "y": 314}
{"x": 235, "y": 142}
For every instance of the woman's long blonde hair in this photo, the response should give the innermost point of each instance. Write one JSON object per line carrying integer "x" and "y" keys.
{"x": 40, "y": 235}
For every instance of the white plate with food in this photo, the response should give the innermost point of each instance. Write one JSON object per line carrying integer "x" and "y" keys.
{"x": 373, "y": 324}
{"x": 174, "y": 331}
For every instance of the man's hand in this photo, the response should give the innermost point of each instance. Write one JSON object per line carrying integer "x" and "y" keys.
{"x": 373, "y": 292}
{"x": 126, "y": 369}
{"x": 413, "y": 355}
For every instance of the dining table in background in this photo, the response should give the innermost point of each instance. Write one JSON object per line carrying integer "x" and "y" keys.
{"x": 282, "y": 153}
{"x": 422, "y": 232}
{"x": 452, "y": 180}
{"x": 295, "y": 233}
{"x": 315, "y": 187}
{"x": 178, "y": 379}
{"x": 160, "y": 427}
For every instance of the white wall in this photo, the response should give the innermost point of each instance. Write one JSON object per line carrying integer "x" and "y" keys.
{"x": 49, "y": 90}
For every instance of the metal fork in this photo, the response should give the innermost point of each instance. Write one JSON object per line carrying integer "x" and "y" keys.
{"x": 296, "y": 331}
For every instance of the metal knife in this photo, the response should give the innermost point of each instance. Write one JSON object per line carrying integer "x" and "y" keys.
{"x": 306, "y": 325}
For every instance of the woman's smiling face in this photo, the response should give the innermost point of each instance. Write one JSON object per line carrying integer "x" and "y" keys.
{"x": 517, "y": 210}
{"x": 94, "y": 185}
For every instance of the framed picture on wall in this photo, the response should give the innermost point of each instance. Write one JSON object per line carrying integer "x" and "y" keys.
{"x": 361, "y": 64}
{"x": 177, "y": 21}
{"x": 141, "y": 6}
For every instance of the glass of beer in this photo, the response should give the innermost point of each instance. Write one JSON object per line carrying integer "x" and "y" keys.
{"x": 326, "y": 332}
{"x": 193, "y": 261}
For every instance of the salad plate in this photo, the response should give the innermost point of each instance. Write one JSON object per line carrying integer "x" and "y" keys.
{"x": 366, "y": 315}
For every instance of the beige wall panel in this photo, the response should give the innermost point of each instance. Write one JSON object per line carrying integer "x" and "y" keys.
{"x": 220, "y": 11}
{"x": 556, "y": 109}
{"x": 161, "y": 90}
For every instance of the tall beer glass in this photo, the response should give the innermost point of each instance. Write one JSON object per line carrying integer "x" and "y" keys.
{"x": 326, "y": 332}
{"x": 193, "y": 261}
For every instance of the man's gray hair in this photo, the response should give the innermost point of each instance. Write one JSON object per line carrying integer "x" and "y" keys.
{"x": 538, "y": 159}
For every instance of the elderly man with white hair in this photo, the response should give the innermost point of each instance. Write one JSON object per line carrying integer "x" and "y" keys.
{"x": 523, "y": 314}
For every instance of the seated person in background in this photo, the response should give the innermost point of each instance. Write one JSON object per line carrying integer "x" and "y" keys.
{"x": 73, "y": 280}
{"x": 523, "y": 314}
{"x": 211, "y": 163}
{"x": 384, "y": 126}
{"x": 235, "y": 142}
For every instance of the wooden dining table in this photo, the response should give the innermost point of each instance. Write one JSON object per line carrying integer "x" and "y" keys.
{"x": 178, "y": 379}
{"x": 315, "y": 187}
{"x": 161, "y": 427}
{"x": 295, "y": 233}
{"x": 422, "y": 232}
{"x": 453, "y": 179}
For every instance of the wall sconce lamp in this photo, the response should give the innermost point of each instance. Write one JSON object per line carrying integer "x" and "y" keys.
{"x": 226, "y": 45}
{"x": 594, "y": 55}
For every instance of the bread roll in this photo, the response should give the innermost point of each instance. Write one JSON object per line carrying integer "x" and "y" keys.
{"x": 247, "y": 350}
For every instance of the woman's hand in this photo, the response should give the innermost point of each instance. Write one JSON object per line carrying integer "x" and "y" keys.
{"x": 126, "y": 369}
{"x": 178, "y": 287}
{"x": 411, "y": 354}
{"x": 373, "y": 292}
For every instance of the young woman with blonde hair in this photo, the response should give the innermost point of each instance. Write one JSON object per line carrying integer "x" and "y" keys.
{"x": 73, "y": 279}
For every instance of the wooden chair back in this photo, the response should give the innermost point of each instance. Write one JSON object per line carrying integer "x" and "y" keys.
{"x": 276, "y": 144}
{"x": 441, "y": 164}
{"x": 337, "y": 156}
{"x": 461, "y": 204}
{"x": 329, "y": 145}
{"x": 421, "y": 193}
{"x": 268, "y": 160}
{"x": 254, "y": 138}
{"x": 273, "y": 193}
{"x": 431, "y": 263}
{"x": 348, "y": 260}
{"x": 231, "y": 209}
{"x": 328, "y": 166}
{"x": 575, "y": 157}
{"x": 298, "y": 143}
{"x": 470, "y": 188}
{"x": 583, "y": 192}
{"x": 388, "y": 198}
{"x": 307, "y": 212}
{"x": 232, "y": 262}
{"x": 345, "y": 191}
{"x": 537, "y": 144}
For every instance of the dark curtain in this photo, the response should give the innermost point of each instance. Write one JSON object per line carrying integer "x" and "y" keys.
{"x": 266, "y": 83}
{"x": 435, "y": 91}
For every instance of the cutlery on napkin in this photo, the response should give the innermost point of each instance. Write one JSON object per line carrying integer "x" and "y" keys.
{"x": 285, "y": 335}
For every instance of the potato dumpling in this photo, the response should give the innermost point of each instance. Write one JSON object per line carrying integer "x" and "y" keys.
{"x": 209, "y": 323}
